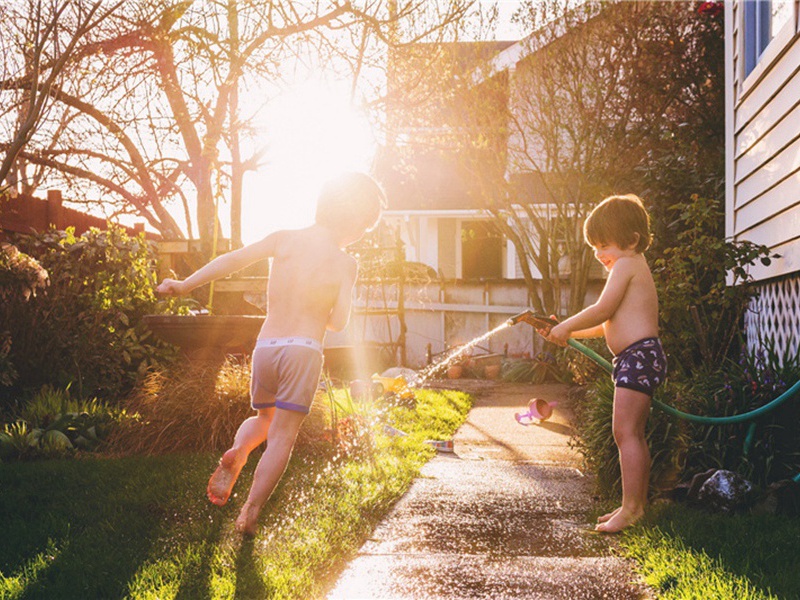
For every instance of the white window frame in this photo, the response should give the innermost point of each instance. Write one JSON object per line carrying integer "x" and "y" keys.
{"x": 777, "y": 44}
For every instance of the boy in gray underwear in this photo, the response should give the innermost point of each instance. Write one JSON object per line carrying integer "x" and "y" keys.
{"x": 309, "y": 291}
{"x": 627, "y": 315}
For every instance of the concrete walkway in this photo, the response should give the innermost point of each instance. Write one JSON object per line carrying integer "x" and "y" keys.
{"x": 504, "y": 517}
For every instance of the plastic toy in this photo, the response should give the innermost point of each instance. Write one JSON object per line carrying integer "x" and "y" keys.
{"x": 538, "y": 410}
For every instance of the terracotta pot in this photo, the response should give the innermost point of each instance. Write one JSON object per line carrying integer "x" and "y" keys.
{"x": 492, "y": 371}
{"x": 455, "y": 371}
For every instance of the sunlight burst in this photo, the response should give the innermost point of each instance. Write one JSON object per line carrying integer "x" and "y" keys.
{"x": 311, "y": 133}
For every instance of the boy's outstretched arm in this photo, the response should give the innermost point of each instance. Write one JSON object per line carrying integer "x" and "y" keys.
{"x": 340, "y": 313}
{"x": 601, "y": 311}
{"x": 222, "y": 266}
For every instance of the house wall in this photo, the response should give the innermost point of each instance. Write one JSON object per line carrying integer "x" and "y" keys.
{"x": 764, "y": 145}
{"x": 763, "y": 171}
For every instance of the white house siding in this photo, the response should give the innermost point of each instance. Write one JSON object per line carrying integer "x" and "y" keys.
{"x": 763, "y": 172}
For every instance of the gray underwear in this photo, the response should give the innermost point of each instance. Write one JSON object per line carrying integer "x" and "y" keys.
{"x": 285, "y": 373}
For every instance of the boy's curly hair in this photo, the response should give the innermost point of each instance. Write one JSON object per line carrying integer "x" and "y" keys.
{"x": 617, "y": 220}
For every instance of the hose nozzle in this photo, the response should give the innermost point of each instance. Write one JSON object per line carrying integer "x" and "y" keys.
{"x": 534, "y": 320}
{"x": 523, "y": 316}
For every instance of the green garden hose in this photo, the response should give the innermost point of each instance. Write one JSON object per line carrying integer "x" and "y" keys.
{"x": 541, "y": 322}
{"x": 741, "y": 418}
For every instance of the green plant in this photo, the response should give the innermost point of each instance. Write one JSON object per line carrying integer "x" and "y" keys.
{"x": 544, "y": 367}
{"x": 739, "y": 386}
{"x": 85, "y": 328}
{"x": 52, "y": 423}
{"x": 703, "y": 286}
{"x": 667, "y": 438}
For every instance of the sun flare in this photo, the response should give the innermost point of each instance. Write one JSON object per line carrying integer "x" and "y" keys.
{"x": 311, "y": 132}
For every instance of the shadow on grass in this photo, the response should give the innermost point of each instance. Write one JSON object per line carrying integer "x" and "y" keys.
{"x": 93, "y": 524}
{"x": 249, "y": 580}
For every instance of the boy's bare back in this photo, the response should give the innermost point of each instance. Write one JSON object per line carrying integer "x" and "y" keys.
{"x": 310, "y": 283}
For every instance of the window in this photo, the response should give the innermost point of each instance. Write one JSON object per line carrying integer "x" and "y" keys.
{"x": 763, "y": 19}
{"x": 481, "y": 250}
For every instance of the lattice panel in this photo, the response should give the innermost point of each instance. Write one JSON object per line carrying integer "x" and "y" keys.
{"x": 775, "y": 315}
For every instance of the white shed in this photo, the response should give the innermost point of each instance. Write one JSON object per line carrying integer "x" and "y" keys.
{"x": 762, "y": 56}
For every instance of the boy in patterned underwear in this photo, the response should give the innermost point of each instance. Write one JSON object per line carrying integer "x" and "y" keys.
{"x": 627, "y": 315}
{"x": 309, "y": 291}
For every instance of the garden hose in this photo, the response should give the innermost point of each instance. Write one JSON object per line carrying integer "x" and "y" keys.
{"x": 539, "y": 322}
{"x": 740, "y": 418}
{"x": 753, "y": 414}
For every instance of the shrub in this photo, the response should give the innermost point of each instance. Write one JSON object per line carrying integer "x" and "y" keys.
{"x": 668, "y": 438}
{"x": 196, "y": 406}
{"x": 192, "y": 407}
{"x": 737, "y": 387}
{"x": 701, "y": 309}
{"x": 85, "y": 327}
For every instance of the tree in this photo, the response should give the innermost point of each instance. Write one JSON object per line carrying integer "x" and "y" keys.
{"x": 40, "y": 40}
{"x": 153, "y": 109}
{"x": 589, "y": 110}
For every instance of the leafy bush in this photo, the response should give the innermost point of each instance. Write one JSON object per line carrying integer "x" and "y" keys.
{"x": 737, "y": 387}
{"x": 701, "y": 310}
{"x": 52, "y": 423}
{"x": 667, "y": 437}
{"x": 85, "y": 327}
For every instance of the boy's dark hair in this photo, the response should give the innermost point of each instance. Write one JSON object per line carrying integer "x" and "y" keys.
{"x": 350, "y": 200}
{"x": 616, "y": 220}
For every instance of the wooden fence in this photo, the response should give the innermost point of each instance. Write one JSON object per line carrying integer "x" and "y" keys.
{"x": 26, "y": 214}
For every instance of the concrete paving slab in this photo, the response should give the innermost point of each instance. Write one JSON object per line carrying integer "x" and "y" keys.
{"x": 503, "y": 517}
{"x": 463, "y": 577}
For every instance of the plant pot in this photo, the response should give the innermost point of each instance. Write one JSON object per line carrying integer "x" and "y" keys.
{"x": 455, "y": 372}
{"x": 491, "y": 371}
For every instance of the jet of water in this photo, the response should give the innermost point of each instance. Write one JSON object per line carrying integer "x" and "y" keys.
{"x": 453, "y": 355}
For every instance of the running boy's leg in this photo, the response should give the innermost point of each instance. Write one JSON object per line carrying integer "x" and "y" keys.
{"x": 251, "y": 433}
{"x": 282, "y": 434}
{"x": 631, "y": 409}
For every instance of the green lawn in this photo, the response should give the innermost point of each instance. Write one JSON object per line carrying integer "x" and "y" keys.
{"x": 141, "y": 527}
{"x": 689, "y": 554}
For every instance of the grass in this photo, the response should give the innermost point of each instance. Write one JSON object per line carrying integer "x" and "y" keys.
{"x": 684, "y": 553}
{"x": 140, "y": 527}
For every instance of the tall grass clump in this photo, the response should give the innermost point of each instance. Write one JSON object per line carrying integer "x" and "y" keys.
{"x": 668, "y": 438}
{"x": 191, "y": 408}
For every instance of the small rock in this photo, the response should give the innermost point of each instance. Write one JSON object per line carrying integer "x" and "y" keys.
{"x": 725, "y": 491}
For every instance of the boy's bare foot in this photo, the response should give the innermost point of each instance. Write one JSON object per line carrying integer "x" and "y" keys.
{"x": 221, "y": 483}
{"x": 247, "y": 521}
{"x": 607, "y": 516}
{"x": 619, "y": 521}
